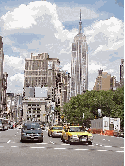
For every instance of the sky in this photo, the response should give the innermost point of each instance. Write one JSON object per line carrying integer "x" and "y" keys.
{"x": 50, "y": 26}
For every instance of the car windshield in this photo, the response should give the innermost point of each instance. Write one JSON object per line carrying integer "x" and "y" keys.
{"x": 29, "y": 126}
{"x": 57, "y": 128}
{"x": 76, "y": 129}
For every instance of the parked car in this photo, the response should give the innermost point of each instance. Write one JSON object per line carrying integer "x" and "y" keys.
{"x": 31, "y": 131}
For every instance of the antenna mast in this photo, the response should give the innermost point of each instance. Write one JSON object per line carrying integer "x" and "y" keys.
{"x": 80, "y": 23}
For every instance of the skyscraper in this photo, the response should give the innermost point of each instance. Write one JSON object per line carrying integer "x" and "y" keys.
{"x": 79, "y": 63}
{"x": 122, "y": 72}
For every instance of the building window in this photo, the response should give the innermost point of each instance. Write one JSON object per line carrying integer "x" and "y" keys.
{"x": 105, "y": 124}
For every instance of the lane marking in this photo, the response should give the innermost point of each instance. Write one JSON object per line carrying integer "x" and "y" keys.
{"x": 42, "y": 143}
{"x": 81, "y": 149}
{"x": 100, "y": 145}
{"x": 90, "y": 145}
{"x": 120, "y": 151}
{"x": 121, "y": 147}
{"x": 52, "y": 142}
{"x": 97, "y": 144}
{"x": 37, "y": 147}
{"x": 59, "y": 148}
{"x": 107, "y": 146}
{"x": 8, "y": 141}
{"x": 101, "y": 150}
{"x": 14, "y": 146}
{"x": 1, "y": 146}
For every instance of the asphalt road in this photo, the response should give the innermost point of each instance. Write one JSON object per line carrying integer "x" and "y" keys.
{"x": 105, "y": 151}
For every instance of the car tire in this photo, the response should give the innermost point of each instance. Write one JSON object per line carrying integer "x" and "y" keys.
{"x": 41, "y": 141}
{"x": 48, "y": 135}
{"x": 22, "y": 141}
{"x": 69, "y": 142}
{"x": 63, "y": 140}
{"x": 89, "y": 143}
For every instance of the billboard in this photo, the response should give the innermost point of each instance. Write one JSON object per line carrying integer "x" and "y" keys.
{"x": 41, "y": 92}
{"x": 29, "y": 91}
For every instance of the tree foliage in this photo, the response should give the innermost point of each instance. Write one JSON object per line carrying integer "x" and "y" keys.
{"x": 110, "y": 102}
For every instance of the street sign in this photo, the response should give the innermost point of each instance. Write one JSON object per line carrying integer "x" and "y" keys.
{"x": 83, "y": 115}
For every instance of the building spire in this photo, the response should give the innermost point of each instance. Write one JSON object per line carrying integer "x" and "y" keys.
{"x": 80, "y": 23}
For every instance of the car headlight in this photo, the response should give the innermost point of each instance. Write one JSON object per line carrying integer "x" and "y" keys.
{"x": 23, "y": 133}
{"x": 90, "y": 137}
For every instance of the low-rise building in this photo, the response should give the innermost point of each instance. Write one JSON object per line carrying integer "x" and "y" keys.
{"x": 34, "y": 109}
{"x": 104, "y": 81}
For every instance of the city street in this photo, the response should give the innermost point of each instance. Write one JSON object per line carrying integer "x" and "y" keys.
{"x": 105, "y": 151}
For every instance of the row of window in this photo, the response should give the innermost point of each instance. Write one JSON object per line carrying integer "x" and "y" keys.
{"x": 33, "y": 108}
{"x": 29, "y": 112}
{"x": 99, "y": 124}
{"x": 33, "y": 105}
{"x": 33, "y": 116}
{"x": 35, "y": 120}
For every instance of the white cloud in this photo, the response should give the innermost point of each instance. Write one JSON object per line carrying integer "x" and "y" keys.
{"x": 72, "y": 14}
{"x": 15, "y": 83}
{"x": 93, "y": 67}
{"x": 103, "y": 34}
{"x": 25, "y": 16}
{"x": 14, "y": 63}
{"x": 105, "y": 37}
{"x": 67, "y": 67}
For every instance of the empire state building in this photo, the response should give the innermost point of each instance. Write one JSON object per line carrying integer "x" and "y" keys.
{"x": 79, "y": 63}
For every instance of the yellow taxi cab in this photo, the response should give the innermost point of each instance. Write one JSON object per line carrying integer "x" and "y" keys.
{"x": 55, "y": 131}
{"x": 76, "y": 134}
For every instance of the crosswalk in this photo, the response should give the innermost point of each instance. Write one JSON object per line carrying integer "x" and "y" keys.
{"x": 62, "y": 146}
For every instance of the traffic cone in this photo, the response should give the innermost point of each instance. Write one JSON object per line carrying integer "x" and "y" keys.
{"x": 105, "y": 132}
{"x": 101, "y": 133}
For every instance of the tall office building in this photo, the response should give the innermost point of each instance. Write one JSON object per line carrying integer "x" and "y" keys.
{"x": 1, "y": 72}
{"x": 79, "y": 63}
{"x": 40, "y": 70}
{"x": 122, "y": 72}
